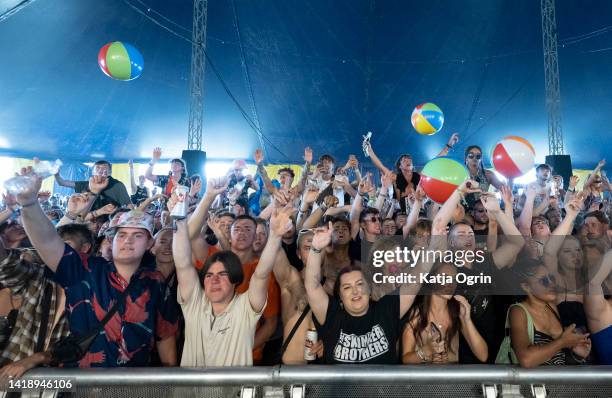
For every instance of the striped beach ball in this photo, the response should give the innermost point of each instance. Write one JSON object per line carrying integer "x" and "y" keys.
{"x": 513, "y": 156}
{"x": 441, "y": 176}
{"x": 427, "y": 118}
{"x": 121, "y": 61}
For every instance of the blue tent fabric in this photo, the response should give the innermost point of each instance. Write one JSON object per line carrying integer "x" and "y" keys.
{"x": 73, "y": 171}
{"x": 321, "y": 74}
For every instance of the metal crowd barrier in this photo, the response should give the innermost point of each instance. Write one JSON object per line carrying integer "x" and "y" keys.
{"x": 327, "y": 381}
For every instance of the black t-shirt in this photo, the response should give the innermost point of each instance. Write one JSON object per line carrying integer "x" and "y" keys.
{"x": 401, "y": 184}
{"x": 114, "y": 193}
{"x": 140, "y": 195}
{"x": 483, "y": 312}
{"x": 368, "y": 339}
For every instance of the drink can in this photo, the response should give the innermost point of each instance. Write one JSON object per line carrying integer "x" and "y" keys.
{"x": 182, "y": 202}
{"x": 311, "y": 335}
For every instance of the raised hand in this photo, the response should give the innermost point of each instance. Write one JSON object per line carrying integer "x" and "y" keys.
{"x": 464, "y": 307}
{"x": 506, "y": 194}
{"x": 365, "y": 186}
{"x": 322, "y": 237}
{"x": 308, "y": 155}
{"x": 490, "y": 202}
{"x": 573, "y": 181}
{"x": 330, "y": 201}
{"x": 196, "y": 187}
{"x": 108, "y": 209}
{"x": 98, "y": 184}
{"x": 157, "y": 153}
{"x": 280, "y": 221}
{"x": 469, "y": 186}
{"x": 310, "y": 195}
{"x": 601, "y": 163}
{"x": 573, "y": 207}
{"x": 259, "y": 156}
{"x": 454, "y": 139}
{"x": 386, "y": 181}
{"x": 29, "y": 194}
{"x": 78, "y": 203}
{"x": 216, "y": 186}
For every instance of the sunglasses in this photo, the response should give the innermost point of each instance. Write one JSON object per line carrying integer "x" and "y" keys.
{"x": 547, "y": 280}
{"x": 598, "y": 181}
{"x": 478, "y": 156}
{"x": 372, "y": 219}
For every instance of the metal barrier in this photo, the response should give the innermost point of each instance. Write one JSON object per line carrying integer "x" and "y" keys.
{"x": 335, "y": 381}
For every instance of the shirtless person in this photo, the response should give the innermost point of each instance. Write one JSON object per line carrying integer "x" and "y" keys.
{"x": 293, "y": 303}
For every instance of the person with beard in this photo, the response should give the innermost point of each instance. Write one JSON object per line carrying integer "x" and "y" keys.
{"x": 461, "y": 239}
{"x": 435, "y": 321}
{"x": 597, "y": 225}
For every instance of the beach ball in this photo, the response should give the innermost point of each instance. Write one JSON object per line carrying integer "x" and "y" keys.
{"x": 441, "y": 176}
{"x": 513, "y": 156}
{"x": 427, "y": 118}
{"x": 121, "y": 61}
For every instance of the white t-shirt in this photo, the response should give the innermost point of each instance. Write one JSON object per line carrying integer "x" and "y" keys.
{"x": 223, "y": 340}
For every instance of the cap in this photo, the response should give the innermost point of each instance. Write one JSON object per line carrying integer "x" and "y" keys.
{"x": 239, "y": 164}
{"x": 132, "y": 219}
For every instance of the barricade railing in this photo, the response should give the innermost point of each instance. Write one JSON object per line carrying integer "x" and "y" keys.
{"x": 300, "y": 381}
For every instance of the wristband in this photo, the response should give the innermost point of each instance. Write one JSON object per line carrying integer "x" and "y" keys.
{"x": 313, "y": 249}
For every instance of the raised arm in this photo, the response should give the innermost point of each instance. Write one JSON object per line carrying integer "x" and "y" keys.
{"x": 317, "y": 298}
{"x": 261, "y": 170}
{"x": 524, "y": 222}
{"x": 41, "y": 232}
{"x": 505, "y": 254}
{"x": 357, "y": 206}
{"x": 554, "y": 243}
{"x": 299, "y": 188}
{"x": 133, "y": 184}
{"x": 454, "y": 139}
{"x": 214, "y": 187}
{"x": 599, "y": 166}
{"x": 477, "y": 344}
{"x": 376, "y": 161}
{"x": 280, "y": 223}
{"x": 449, "y": 207}
{"x": 186, "y": 273}
{"x": 157, "y": 152}
{"x": 416, "y": 200}
{"x": 64, "y": 183}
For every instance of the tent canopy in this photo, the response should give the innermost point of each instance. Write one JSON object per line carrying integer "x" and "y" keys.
{"x": 319, "y": 74}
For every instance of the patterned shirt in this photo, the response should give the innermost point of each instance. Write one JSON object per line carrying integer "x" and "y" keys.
{"x": 145, "y": 316}
{"x": 167, "y": 184}
{"x": 23, "y": 272}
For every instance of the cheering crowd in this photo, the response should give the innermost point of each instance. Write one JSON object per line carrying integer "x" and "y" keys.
{"x": 261, "y": 270}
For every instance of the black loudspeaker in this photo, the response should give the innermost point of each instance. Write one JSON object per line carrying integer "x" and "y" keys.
{"x": 562, "y": 165}
{"x": 195, "y": 161}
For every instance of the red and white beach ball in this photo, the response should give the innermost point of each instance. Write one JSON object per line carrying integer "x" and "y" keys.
{"x": 513, "y": 156}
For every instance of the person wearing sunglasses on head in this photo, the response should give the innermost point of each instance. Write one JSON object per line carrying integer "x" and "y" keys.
{"x": 537, "y": 334}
